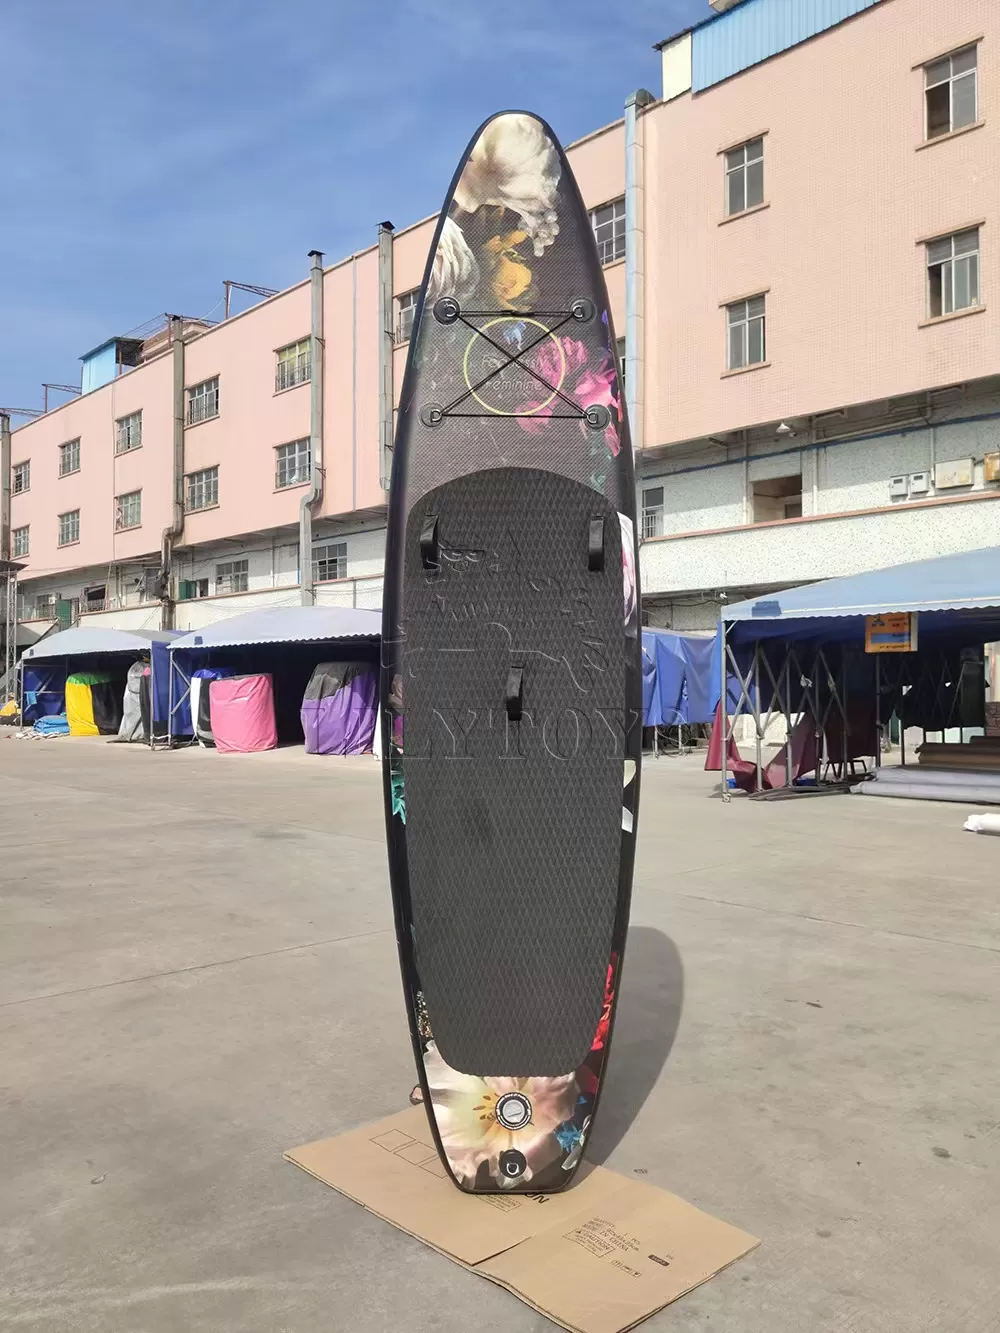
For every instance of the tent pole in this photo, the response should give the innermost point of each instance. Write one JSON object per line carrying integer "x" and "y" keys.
{"x": 170, "y": 703}
{"x": 789, "y": 777}
{"x": 878, "y": 711}
{"x": 756, "y": 708}
{"x": 723, "y": 709}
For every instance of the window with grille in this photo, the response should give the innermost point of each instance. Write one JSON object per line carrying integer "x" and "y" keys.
{"x": 652, "y": 511}
{"x": 953, "y": 273}
{"x": 203, "y": 401}
{"x": 128, "y": 510}
{"x": 45, "y": 606}
{"x": 294, "y": 365}
{"x": 128, "y": 432}
{"x": 293, "y": 463}
{"x": 406, "y": 306}
{"x": 69, "y": 457}
{"x": 745, "y": 327}
{"x": 745, "y": 177}
{"x": 96, "y": 598}
{"x": 190, "y": 589}
{"x": 19, "y": 542}
{"x": 329, "y": 561}
{"x": 951, "y": 94}
{"x": 608, "y": 223}
{"x": 233, "y": 576}
{"x": 20, "y": 477}
{"x": 202, "y": 489}
{"x": 69, "y": 527}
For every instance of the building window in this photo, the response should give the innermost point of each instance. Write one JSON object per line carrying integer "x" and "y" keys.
{"x": 95, "y": 599}
{"x": 203, "y": 401}
{"x": 128, "y": 432}
{"x": 406, "y": 306}
{"x": 69, "y": 457}
{"x": 128, "y": 510}
{"x": 188, "y": 590}
{"x": 745, "y": 321}
{"x": 45, "y": 606}
{"x": 620, "y": 350}
{"x": 19, "y": 542}
{"x": 777, "y": 498}
{"x": 293, "y": 463}
{"x": 233, "y": 576}
{"x": 294, "y": 365}
{"x": 20, "y": 480}
{"x": 329, "y": 561}
{"x": 950, "y": 92}
{"x": 953, "y": 273}
{"x": 745, "y": 177}
{"x": 652, "y": 511}
{"x": 608, "y": 223}
{"x": 202, "y": 489}
{"x": 69, "y": 528}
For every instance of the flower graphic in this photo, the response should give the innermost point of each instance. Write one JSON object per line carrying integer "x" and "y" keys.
{"x": 465, "y": 1111}
{"x": 586, "y": 384}
{"x": 455, "y": 271}
{"x": 514, "y": 165}
{"x": 511, "y": 280}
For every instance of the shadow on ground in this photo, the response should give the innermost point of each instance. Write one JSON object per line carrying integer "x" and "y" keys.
{"x": 646, "y": 1023}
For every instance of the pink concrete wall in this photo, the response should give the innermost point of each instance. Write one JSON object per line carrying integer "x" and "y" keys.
{"x": 849, "y": 193}
{"x": 102, "y": 476}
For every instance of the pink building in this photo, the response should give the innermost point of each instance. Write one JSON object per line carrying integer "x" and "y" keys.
{"x": 800, "y": 240}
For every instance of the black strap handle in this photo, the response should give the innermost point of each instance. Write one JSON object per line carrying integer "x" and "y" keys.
{"x": 595, "y": 545}
{"x": 514, "y": 699}
{"x": 429, "y": 542}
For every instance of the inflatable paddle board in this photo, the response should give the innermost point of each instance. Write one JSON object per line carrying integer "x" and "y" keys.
{"x": 512, "y": 694}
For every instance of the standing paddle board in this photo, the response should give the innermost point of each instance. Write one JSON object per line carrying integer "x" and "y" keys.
{"x": 511, "y": 698}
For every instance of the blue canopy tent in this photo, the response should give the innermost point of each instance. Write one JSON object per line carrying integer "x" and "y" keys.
{"x": 676, "y": 678}
{"x": 803, "y": 648}
{"x": 280, "y": 640}
{"x": 45, "y": 665}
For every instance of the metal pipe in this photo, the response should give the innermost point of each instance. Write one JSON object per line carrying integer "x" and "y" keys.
{"x": 756, "y": 712}
{"x": 316, "y": 474}
{"x": 878, "y": 711}
{"x": 635, "y": 263}
{"x": 175, "y": 530}
{"x": 386, "y": 343}
{"x": 5, "y": 482}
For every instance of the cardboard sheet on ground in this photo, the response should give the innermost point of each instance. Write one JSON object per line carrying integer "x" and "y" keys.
{"x": 599, "y": 1258}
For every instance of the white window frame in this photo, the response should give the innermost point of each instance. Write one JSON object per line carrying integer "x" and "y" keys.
{"x": 741, "y": 169}
{"x": 232, "y": 576}
{"x": 621, "y": 351}
{"x": 128, "y": 511}
{"x": 322, "y": 561}
{"x": 128, "y": 432}
{"x": 204, "y": 485}
{"x": 293, "y": 365}
{"x": 20, "y": 477}
{"x": 609, "y": 230}
{"x": 406, "y": 314}
{"x": 652, "y": 512}
{"x": 744, "y": 315}
{"x": 65, "y": 452}
{"x": 203, "y": 401}
{"x": 292, "y": 463}
{"x": 69, "y": 528}
{"x": 951, "y": 262}
{"x": 20, "y": 542}
{"x": 951, "y": 79}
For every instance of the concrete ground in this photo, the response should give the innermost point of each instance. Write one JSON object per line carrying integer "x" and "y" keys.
{"x": 197, "y": 971}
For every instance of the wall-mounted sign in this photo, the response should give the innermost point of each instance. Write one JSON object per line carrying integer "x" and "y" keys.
{"x": 894, "y": 632}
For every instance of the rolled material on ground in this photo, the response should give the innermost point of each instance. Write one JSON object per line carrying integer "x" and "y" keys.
{"x": 983, "y": 824}
{"x": 941, "y": 777}
{"x": 931, "y": 791}
{"x": 959, "y": 756}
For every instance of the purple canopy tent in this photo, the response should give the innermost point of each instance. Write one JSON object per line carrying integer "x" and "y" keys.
{"x": 339, "y": 708}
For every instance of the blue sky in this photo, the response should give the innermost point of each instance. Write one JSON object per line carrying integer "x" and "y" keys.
{"x": 153, "y": 150}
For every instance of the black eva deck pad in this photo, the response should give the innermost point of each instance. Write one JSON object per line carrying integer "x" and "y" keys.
{"x": 513, "y": 828}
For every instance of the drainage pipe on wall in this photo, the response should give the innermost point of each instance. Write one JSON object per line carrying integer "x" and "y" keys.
{"x": 175, "y": 530}
{"x": 386, "y": 343}
{"x": 635, "y": 262}
{"x": 314, "y": 494}
{"x": 5, "y": 483}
